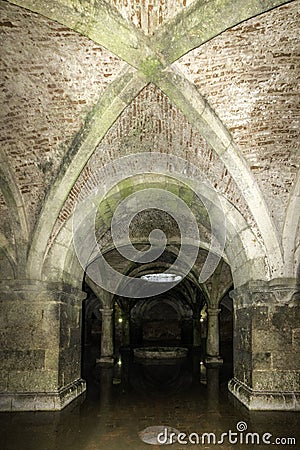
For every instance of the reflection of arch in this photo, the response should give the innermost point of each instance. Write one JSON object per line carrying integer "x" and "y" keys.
{"x": 164, "y": 380}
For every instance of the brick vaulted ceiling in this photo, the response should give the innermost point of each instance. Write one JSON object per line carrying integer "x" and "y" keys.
{"x": 86, "y": 82}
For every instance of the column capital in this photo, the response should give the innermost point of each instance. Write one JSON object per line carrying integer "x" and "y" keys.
{"x": 213, "y": 311}
{"x": 106, "y": 311}
{"x": 279, "y": 291}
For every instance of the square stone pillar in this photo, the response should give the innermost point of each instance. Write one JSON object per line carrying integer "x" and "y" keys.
{"x": 40, "y": 352}
{"x": 266, "y": 345}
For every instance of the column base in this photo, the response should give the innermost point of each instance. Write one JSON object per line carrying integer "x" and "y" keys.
{"x": 213, "y": 361}
{"x": 264, "y": 400}
{"x": 105, "y": 361}
{"x": 42, "y": 401}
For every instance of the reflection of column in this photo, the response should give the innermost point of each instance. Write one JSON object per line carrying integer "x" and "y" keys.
{"x": 125, "y": 368}
{"x": 196, "y": 329}
{"x": 196, "y": 368}
{"x": 212, "y": 342}
{"x": 212, "y": 377}
{"x": 106, "y": 383}
{"x": 126, "y": 329}
{"x": 107, "y": 345}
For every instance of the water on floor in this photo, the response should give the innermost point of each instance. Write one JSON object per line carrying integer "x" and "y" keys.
{"x": 139, "y": 404}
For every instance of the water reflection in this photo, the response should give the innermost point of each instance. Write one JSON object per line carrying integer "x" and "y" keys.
{"x": 133, "y": 396}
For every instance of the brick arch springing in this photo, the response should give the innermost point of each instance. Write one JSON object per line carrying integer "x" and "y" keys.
{"x": 291, "y": 230}
{"x": 18, "y": 220}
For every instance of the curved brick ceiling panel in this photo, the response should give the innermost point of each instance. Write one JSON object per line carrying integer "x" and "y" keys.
{"x": 52, "y": 77}
{"x": 250, "y": 76}
{"x": 152, "y": 123}
{"x": 148, "y": 15}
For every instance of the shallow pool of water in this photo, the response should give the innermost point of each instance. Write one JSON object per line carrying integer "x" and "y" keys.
{"x": 123, "y": 402}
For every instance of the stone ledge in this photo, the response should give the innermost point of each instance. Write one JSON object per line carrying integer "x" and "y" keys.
{"x": 40, "y": 291}
{"x": 278, "y": 292}
{"x": 42, "y": 401}
{"x": 213, "y": 361}
{"x": 264, "y": 400}
{"x": 105, "y": 361}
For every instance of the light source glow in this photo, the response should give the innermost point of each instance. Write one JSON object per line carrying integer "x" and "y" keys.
{"x": 162, "y": 277}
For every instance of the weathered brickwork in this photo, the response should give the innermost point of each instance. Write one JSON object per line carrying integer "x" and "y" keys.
{"x": 51, "y": 78}
{"x": 153, "y": 124}
{"x": 249, "y": 74}
{"x": 149, "y": 14}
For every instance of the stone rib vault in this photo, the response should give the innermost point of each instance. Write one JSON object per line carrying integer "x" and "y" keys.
{"x": 85, "y": 83}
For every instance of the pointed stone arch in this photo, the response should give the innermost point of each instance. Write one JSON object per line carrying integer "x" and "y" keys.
{"x": 14, "y": 200}
{"x": 291, "y": 230}
{"x": 109, "y": 107}
{"x": 203, "y": 117}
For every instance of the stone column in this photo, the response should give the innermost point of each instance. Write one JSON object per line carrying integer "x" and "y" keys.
{"x": 213, "y": 338}
{"x": 266, "y": 345}
{"x": 41, "y": 345}
{"x": 107, "y": 344}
